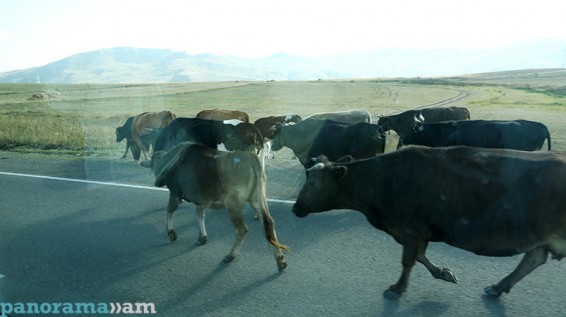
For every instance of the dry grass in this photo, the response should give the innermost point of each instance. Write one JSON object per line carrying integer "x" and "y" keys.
{"x": 82, "y": 118}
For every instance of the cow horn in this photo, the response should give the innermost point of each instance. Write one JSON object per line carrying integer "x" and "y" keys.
{"x": 316, "y": 167}
{"x": 421, "y": 116}
{"x": 416, "y": 119}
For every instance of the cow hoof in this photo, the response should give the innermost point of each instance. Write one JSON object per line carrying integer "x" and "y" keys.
{"x": 229, "y": 258}
{"x": 202, "y": 240}
{"x": 447, "y": 275}
{"x": 391, "y": 294}
{"x": 172, "y": 235}
{"x": 281, "y": 263}
{"x": 491, "y": 291}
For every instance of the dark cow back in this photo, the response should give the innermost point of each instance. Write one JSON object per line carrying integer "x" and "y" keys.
{"x": 517, "y": 134}
{"x": 350, "y": 116}
{"x": 311, "y": 138}
{"x": 403, "y": 122}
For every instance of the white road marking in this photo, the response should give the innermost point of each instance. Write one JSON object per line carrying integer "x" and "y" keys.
{"x": 113, "y": 184}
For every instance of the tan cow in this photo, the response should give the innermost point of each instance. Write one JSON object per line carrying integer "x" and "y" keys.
{"x": 221, "y": 115}
{"x": 149, "y": 120}
{"x": 214, "y": 179}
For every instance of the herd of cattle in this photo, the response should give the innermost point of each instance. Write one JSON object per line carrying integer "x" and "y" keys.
{"x": 480, "y": 185}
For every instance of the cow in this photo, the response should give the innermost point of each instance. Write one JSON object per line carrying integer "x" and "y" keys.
{"x": 516, "y": 134}
{"x": 310, "y": 138}
{"x": 403, "y": 122}
{"x": 213, "y": 179}
{"x": 149, "y": 120}
{"x": 265, "y": 126}
{"x": 352, "y": 116}
{"x": 493, "y": 202}
{"x": 212, "y": 133}
{"x": 220, "y": 115}
{"x": 125, "y": 132}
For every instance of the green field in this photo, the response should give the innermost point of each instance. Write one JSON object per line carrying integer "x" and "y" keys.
{"x": 80, "y": 119}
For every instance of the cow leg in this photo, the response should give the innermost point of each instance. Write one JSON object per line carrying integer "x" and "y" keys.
{"x": 127, "y": 148}
{"x": 138, "y": 141}
{"x": 174, "y": 202}
{"x": 237, "y": 217}
{"x": 202, "y": 232}
{"x": 530, "y": 261}
{"x": 410, "y": 251}
{"x": 441, "y": 273}
{"x": 271, "y": 236}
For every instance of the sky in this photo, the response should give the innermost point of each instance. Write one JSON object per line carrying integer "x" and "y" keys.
{"x": 37, "y": 32}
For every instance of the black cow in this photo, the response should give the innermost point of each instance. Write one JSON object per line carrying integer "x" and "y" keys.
{"x": 311, "y": 138}
{"x": 516, "y": 135}
{"x": 125, "y": 132}
{"x": 213, "y": 179}
{"x": 212, "y": 133}
{"x": 492, "y": 202}
{"x": 403, "y": 122}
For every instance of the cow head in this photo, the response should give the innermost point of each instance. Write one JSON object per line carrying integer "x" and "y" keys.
{"x": 383, "y": 122}
{"x": 320, "y": 191}
{"x": 275, "y": 130}
{"x": 292, "y": 118}
{"x": 419, "y": 123}
{"x": 120, "y": 135}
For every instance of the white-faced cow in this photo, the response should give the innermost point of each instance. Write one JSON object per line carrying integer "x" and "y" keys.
{"x": 351, "y": 116}
{"x": 125, "y": 132}
{"x": 311, "y": 138}
{"x": 266, "y": 128}
{"x": 212, "y": 133}
{"x": 221, "y": 115}
{"x": 149, "y": 120}
{"x": 516, "y": 134}
{"x": 213, "y": 179}
{"x": 402, "y": 123}
{"x": 492, "y": 202}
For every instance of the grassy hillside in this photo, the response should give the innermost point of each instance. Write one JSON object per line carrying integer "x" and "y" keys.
{"x": 80, "y": 119}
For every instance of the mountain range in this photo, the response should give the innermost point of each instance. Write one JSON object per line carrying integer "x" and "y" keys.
{"x": 135, "y": 65}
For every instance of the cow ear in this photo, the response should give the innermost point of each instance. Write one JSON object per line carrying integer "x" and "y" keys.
{"x": 339, "y": 171}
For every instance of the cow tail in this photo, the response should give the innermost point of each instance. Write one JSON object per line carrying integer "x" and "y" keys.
{"x": 548, "y": 139}
{"x": 270, "y": 235}
{"x": 268, "y": 222}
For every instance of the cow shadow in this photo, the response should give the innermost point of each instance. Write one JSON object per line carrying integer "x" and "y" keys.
{"x": 424, "y": 308}
{"x": 80, "y": 255}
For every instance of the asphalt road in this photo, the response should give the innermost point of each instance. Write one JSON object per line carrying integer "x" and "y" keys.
{"x": 68, "y": 241}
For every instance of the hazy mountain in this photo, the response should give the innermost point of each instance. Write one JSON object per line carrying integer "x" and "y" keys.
{"x": 126, "y": 64}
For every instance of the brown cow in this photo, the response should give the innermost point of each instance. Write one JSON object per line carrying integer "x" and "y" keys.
{"x": 149, "y": 120}
{"x": 221, "y": 115}
{"x": 215, "y": 179}
{"x": 492, "y": 202}
{"x": 125, "y": 132}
